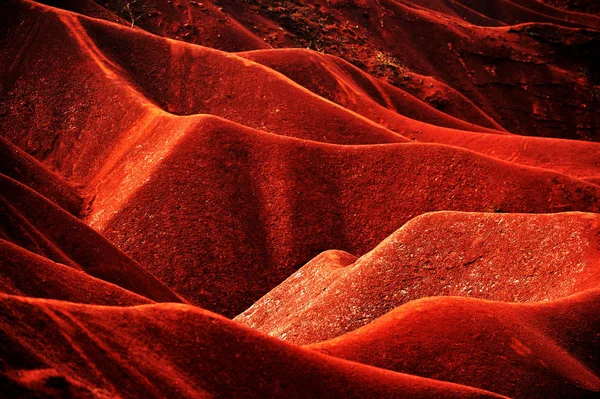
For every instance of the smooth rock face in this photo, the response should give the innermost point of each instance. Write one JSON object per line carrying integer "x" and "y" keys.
{"x": 389, "y": 199}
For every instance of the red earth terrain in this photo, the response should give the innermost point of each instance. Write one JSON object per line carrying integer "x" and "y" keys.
{"x": 519, "y": 350}
{"x": 328, "y": 199}
{"x": 492, "y": 256}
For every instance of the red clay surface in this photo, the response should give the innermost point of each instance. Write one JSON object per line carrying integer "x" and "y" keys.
{"x": 46, "y": 279}
{"x": 172, "y": 350}
{"x": 518, "y": 350}
{"x": 502, "y": 257}
{"x": 410, "y": 188}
